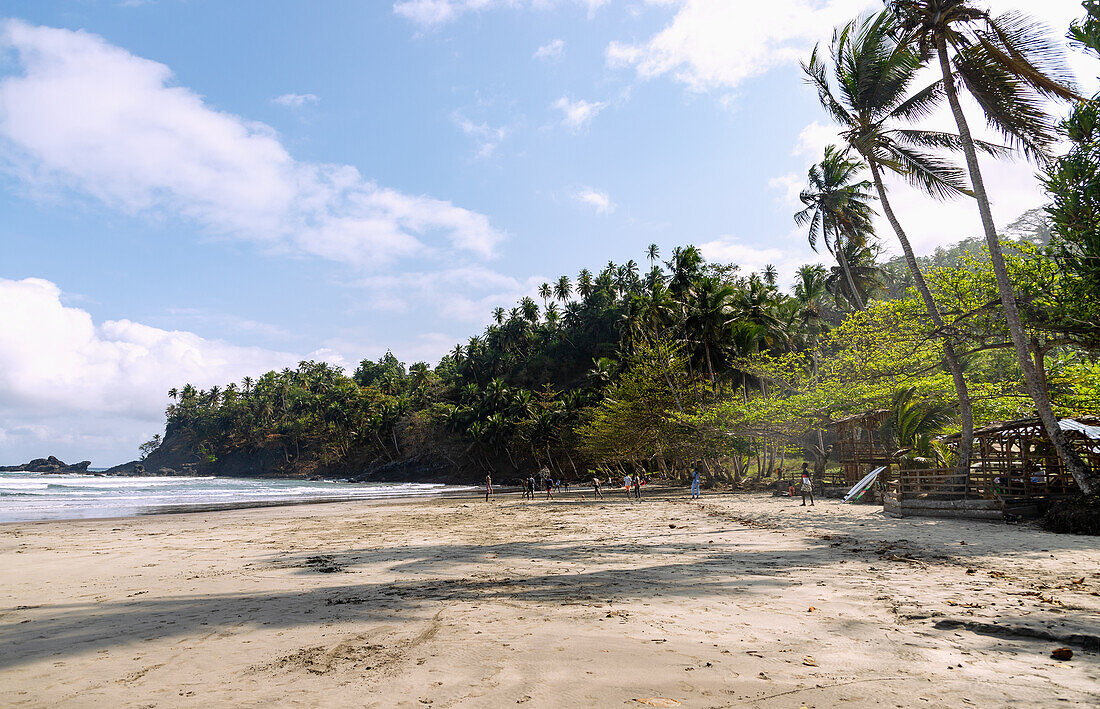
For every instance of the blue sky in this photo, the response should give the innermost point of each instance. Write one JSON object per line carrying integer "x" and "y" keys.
{"x": 198, "y": 190}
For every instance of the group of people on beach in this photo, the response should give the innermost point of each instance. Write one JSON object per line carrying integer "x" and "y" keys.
{"x": 632, "y": 484}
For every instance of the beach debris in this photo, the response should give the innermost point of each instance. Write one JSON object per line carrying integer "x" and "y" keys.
{"x": 1078, "y": 581}
{"x": 524, "y": 698}
{"x": 1062, "y": 653}
{"x": 672, "y": 526}
{"x": 658, "y": 701}
{"x": 811, "y": 609}
{"x": 325, "y": 564}
{"x": 809, "y": 661}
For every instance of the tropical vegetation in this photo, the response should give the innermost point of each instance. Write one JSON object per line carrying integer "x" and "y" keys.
{"x": 689, "y": 362}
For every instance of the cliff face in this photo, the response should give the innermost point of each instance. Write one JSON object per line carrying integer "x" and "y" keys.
{"x": 422, "y": 461}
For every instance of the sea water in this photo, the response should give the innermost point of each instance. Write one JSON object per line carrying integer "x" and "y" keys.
{"x": 38, "y": 496}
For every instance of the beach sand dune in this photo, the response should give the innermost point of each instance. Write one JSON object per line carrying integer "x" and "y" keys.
{"x": 740, "y": 600}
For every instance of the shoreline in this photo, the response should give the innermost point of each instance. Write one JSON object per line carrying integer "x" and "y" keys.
{"x": 245, "y": 505}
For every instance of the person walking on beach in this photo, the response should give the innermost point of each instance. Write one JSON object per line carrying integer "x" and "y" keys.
{"x": 549, "y": 489}
{"x": 807, "y": 487}
{"x": 596, "y": 487}
{"x": 637, "y": 487}
{"x": 531, "y": 485}
{"x": 626, "y": 485}
{"x": 488, "y": 487}
{"x": 694, "y": 484}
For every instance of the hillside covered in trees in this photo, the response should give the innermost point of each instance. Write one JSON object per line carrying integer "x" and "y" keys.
{"x": 674, "y": 360}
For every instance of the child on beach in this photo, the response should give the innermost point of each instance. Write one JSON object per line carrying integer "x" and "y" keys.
{"x": 807, "y": 486}
{"x": 694, "y": 484}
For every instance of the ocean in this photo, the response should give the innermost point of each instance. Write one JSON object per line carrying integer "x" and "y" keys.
{"x": 35, "y": 496}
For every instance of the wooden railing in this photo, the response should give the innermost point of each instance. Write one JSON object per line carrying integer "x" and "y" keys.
{"x": 947, "y": 483}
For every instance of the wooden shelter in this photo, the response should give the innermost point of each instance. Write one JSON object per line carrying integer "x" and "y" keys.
{"x": 1014, "y": 470}
{"x": 859, "y": 446}
{"x": 1016, "y": 459}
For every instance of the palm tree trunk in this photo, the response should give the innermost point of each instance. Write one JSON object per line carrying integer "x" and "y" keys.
{"x": 1088, "y": 481}
{"x": 966, "y": 442}
{"x": 848, "y": 275}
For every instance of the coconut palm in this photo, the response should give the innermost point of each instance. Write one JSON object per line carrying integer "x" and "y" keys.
{"x": 771, "y": 275}
{"x": 838, "y": 209}
{"x": 584, "y": 283}
{"x": 873, "y": 74}
{"x": 1011, "y": 67}
{"x": 545, "y": 292}
{"x": 653, "y": 253}
{"x": 563, "y": 289}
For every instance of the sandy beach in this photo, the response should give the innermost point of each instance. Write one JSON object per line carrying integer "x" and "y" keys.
{"x": 738, "y": 600}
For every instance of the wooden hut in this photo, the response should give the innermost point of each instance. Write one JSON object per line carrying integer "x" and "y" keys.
{"x": 859, "y": 446}
{"x": 1014, "y": 471}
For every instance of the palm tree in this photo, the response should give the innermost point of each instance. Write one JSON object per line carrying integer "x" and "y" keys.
{"x": 1009, "y": 65}
{"x": 545, "y": 292}
{"x": 864, "y": 272}
{"x": 770, "y": 274}
{"x": 529, "y": 309}
{"x": 173, "y": 393}
{"x": 873, "y": 73}
{"x": 584, "y": 283}
{"x": 708, "y": 316}
{"x": 653, "y": 253}
{"x": 498, "y": 315}
{"x": 563, "y": 289}
{"x": 809, "y": 289}
{"x": 838, "y": 208}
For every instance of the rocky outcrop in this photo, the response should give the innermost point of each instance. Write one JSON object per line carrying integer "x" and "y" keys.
{"x": 47, "y": 465}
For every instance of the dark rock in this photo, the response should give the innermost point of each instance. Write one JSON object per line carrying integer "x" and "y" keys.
{"x": 50, "y": 465}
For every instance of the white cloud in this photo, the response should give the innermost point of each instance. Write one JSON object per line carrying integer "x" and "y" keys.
{"x": 90, "y": 117}
{"x": 550, "y": 50}
{"x": 600, "y": 201}
{"x": 432, "y": 13}
{"x": 719, "y": 44}
{"x": 576, "y": 115}
{"x": 295, "y": 100}
{"x": 72, "y": 387}
{"x": 488, "y": 137}
{"x": 752, "y": 259}
{"x": 465, "y": 293}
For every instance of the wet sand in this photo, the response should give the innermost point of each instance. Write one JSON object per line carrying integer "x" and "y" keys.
{"x": 739, "y": 600}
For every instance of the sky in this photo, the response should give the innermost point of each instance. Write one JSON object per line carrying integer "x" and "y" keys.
{"x": 196, "y": 190}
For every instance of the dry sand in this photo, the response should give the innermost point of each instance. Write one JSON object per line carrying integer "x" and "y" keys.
{"x": 740, "y": 600}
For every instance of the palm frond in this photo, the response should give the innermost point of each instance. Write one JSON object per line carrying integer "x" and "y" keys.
{"x": 1026, "y": 48}
{"x": 936, "y": 176}
{"x": 1010, "y": 105}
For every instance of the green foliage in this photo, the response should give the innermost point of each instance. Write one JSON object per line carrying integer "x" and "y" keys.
{"x": 149, "y": 446}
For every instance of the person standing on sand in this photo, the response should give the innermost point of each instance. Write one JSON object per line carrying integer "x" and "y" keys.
{"x": 549, "y": 489}
{"x": 488, "y": 487}
{"x": 637, "y": 487}
{"x": 694, "y": 484}
{"x": 626, "y": 485}
{"x": 531, "y": 485}
{"x": 596, "y": 487}
{"x": 807, "y": 486}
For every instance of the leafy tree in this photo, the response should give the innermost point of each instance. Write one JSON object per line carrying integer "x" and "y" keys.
{"x": 1010, "y": 67}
